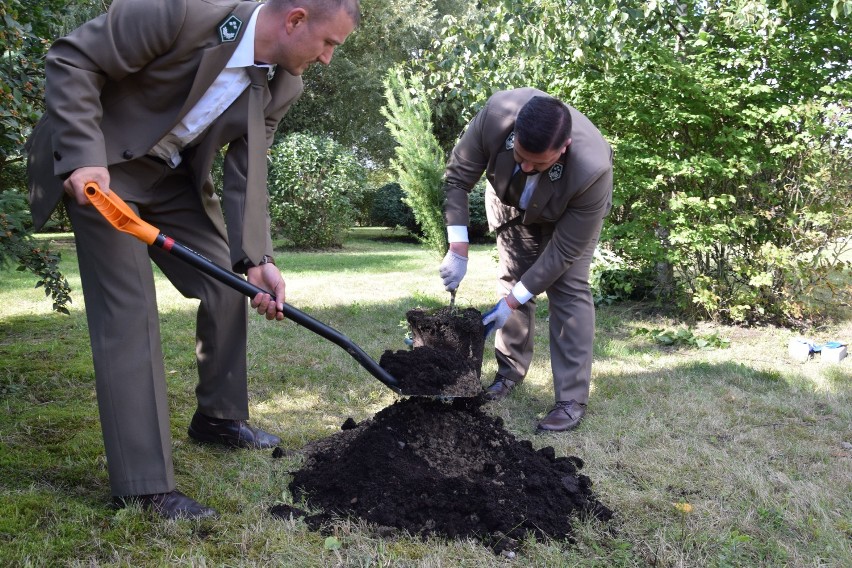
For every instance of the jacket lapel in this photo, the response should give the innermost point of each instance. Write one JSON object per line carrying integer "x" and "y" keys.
{"x": 541, "y": 195}
{"x": 545, "y": 189}
{"x": 504, "y": 167}
{"x": 214, "y": 58}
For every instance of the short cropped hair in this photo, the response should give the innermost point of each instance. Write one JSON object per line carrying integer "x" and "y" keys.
{"x": 322, "y": 8}
{"x": 544, "y": 123}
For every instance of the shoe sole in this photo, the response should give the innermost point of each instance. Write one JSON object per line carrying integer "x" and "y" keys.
{"x": 184, "y": 516}
{"x": 224, "y": 441}
{"x": 541, "y": 430}
{"x": 219, "y": 440}
{"x": 206, "y": 513}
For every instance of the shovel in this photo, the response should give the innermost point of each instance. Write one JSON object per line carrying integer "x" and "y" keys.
{"x": 123, "y": 218}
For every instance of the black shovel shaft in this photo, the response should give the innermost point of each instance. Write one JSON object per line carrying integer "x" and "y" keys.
{"x": 248, "y": 289}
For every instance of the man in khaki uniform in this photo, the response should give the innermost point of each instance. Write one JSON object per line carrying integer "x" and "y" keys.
{"x": 140, "y": 100}
{"x": 549, "y": 175}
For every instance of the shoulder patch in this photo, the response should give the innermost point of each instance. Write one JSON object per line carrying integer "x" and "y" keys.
{"x": 510, "y": 141}
{"x": 555, "y": 172}
{"x": 229, "y": 28}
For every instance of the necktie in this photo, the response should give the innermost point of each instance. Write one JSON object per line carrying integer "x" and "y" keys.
{"x": 256, "y": 124}
{"x": 255, "y": 198}
{"x": 516, "y": 188}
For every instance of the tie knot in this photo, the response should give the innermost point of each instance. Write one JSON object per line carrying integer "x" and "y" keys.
{"x": 257, "y": 75}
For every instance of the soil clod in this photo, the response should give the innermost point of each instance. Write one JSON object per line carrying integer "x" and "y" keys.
{"x": 446, "y": 358}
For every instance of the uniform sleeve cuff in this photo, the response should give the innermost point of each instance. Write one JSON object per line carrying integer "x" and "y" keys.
{"x": 457, "y": 234}
{"x": 521, "y": 294}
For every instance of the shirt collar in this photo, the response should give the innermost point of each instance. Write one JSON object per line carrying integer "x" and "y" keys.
{"x": 244, "y": 54}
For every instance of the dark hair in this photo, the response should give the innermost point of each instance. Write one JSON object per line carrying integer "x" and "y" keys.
{"x": 322, "y": 8}
{"x": 544, "y": 123}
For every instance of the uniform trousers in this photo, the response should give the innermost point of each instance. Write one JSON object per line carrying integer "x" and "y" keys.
{"x": 571, "y": 312}
{"x": 124, "y": 325}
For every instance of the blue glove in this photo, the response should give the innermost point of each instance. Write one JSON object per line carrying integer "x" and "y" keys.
{"x": 496, "y": 317}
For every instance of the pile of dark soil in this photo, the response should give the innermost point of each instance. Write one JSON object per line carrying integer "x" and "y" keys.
{"x": 446, "y": 358}
{"x": 428, "y": 467}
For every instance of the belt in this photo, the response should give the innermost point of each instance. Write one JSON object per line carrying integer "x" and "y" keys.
{"x": 157, "y": 159}
{"x": 510, "y": 223}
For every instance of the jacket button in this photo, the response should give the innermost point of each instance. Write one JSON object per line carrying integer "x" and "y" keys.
{"x": 127, "y": 155}
{"x": 57, "y": 156}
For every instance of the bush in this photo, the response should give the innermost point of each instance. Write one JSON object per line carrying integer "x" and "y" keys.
{"x": 478, "y": 219}
{"x": 390, "y": 210}
{"x": 18, "y": 246}
{"x": 314, "y": 187}
{"x": 612, "y": 279}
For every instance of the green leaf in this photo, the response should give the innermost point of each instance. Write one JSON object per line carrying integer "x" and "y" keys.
{"x": 331, "y": 543}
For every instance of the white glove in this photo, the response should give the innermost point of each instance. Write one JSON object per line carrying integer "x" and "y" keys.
{"x": 452, "y": 270}
{"x": 496, "y": 317}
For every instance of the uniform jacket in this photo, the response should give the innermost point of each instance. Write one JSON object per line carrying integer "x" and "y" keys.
{"x": 571, "y": 198}
{"x": 120, "y": 82}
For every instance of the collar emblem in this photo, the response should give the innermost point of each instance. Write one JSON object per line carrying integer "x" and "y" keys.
{"x": 229, "y": 29}
{"x": 510, "y": 141}
{"x": 555, "y": 172}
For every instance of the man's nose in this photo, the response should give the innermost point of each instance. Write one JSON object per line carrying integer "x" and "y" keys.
{"x": 325, "y": 57}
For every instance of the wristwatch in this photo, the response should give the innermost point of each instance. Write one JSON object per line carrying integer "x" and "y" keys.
{"x": 246, "y": 264}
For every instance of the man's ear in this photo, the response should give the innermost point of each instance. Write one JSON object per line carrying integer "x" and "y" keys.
{"x": 565, "y": 149}
{"x": 295, "y": 18}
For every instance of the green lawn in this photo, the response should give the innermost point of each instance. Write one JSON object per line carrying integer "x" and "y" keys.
{"x": 720, "y": 457}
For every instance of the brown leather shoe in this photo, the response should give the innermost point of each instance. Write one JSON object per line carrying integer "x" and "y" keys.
{"x": 171, "y": 505}
{"x": 566, "y": 415}
{"x": 235, "y": 433}
{"x": 499, "y": 389}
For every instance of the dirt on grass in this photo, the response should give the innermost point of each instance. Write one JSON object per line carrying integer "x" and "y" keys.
{"x": 442, "y": 467}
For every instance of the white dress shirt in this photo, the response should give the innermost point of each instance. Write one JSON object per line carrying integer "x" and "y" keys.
{"x": 227, "y": 87}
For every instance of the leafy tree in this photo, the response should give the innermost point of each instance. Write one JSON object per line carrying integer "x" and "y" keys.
{"x": 730, "y": 122}
{"x": 21, "y": 78}
{"x": 344, "y": 99}
{"x": 21, "y": 89}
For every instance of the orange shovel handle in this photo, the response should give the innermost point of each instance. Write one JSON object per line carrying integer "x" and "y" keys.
{"x": 119, "y": 214}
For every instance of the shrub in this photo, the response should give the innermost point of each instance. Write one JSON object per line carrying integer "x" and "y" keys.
{"x": 314, "y": 186}
{"x": 18, "y": 246}
{"x": 390, "y": 210}
{"x": 478, "y": 220}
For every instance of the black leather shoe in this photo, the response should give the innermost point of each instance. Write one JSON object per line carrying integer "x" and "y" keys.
{"x": 566, "y": 415}
{"x": 499, "y": 389}
{"x": 171, "y": 505}
{"x": 235, "y": 433}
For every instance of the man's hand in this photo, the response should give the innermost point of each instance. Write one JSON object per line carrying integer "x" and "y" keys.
{"x": 454, "y": 266}
{"x": 268, "y": 277}
{"x": 496, "y": 317}
{"x": 80, "y": 177}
